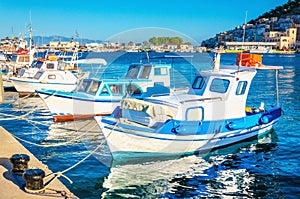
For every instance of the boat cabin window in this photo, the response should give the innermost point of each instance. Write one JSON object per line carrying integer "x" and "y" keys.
{"x": 161, "y": 71}
{"x": 24, "y": 58}
{"x": 84, "y": 85}
{"x": 52, "y": 76}
{"x": 133, "y": 89}
{"x": 219, "y": 85}
{"x": 145, "y": 73}
{"x": 37, "y": 64}
{"x": 194, "y": 114}
{"x": 199, "y": 82}
{"x": 93, "y": 87}
{"x": 50, "y": 65}
{"x": 89, "y": 86}
{"x": 116, "y": 89}
{"x": 133, "y": 71}
{"x": 14, "y": 58}
{"x": 241, "y": 88}
{"x": 38, "y": 75}
{"x": 104, "y": 91}
{"x": 21, "y": 72}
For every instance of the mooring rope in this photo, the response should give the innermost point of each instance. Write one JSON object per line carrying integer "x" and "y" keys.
{"x": 61, "y": 173}
{"x": 53, "y": 145}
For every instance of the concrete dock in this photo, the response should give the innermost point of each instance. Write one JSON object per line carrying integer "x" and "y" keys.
{"x": 11, "y": 185}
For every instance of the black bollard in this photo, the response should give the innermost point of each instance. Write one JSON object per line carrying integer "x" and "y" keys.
{"x": 34, "y": 180}
{"x": 20, "y": 163}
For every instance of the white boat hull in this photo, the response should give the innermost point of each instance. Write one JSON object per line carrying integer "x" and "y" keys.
{"x": 126, "y": 141}
{"x": 31, "y": 86}
{"x": 68, "y": 108}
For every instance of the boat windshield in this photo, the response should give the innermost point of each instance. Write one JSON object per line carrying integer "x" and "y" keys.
{"x": 145, "y": 73}
{"x": 36, "y": 64}
{"x": 133, "y": 71}
{"x": 89, "y": 86}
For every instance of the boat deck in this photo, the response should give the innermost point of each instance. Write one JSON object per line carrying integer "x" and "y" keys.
{"x": 11, "y": 185}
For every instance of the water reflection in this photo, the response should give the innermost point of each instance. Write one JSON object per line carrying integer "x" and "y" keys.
{"x": 234, "y": 171}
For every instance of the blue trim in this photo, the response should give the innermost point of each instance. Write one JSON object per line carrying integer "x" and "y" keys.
{"x": 38, "y": 82}
{"x": 74, "y": 97}
{"x": 219, "y": 138}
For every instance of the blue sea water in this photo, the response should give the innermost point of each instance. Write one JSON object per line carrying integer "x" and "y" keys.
{"x": 264, "y": 167}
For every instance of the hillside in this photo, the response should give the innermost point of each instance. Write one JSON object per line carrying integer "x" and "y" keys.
{"x": 277, "y": 19}
{"x": 290, "y": 8}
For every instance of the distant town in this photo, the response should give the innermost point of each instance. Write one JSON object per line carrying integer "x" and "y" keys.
{"x": 277, "y": 34}
{"x": 264, "y": 35}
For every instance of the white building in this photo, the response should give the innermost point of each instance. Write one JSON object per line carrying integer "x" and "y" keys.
{"x": 284, "y": 40}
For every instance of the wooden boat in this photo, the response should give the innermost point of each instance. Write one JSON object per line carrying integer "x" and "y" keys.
{"x": 212, "y": 115}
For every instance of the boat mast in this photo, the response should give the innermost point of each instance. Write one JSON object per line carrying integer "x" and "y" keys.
{"x": 244, "y": 34}
{"x": 277, "y": 89}
{"x": 30, "y": 42}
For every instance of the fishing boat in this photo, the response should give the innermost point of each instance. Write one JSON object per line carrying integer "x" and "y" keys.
{"x": 48, "y": 73}
{"x": 101, "y": 97}
{"x": 212, "y": 115}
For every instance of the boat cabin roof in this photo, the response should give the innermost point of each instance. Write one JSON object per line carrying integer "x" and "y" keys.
{"x": 145, "y": 71}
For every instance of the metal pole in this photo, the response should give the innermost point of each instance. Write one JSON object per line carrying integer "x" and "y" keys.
{"x": 277, "y": 89}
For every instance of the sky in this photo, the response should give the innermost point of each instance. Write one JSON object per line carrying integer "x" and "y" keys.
{"x": 129, "y": 20}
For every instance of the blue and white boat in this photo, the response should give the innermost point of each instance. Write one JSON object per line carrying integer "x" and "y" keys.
{"x": 100, "y": 97}
{"x": 213, "y": 114}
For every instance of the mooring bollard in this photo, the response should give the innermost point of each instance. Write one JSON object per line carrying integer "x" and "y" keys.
{"x": 34, "y": 180}
{"x": 20, "y": 163}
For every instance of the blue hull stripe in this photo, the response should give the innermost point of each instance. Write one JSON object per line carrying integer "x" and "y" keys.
{"x": 78, "y": 98}
{"x": 43, "y": 83}
{"x": 213, "y": 138}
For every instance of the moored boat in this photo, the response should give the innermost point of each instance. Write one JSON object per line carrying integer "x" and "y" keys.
{"x": 51, "y": 72}
{"x": 101, "y": 97}
{"x": 211, "y": 115}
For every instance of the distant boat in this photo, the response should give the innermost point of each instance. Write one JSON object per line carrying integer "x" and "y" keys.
{"x": 212, "y": 115}
{"x": 101, "y": 97}
{"x": 49, "y": 73}
{"x": 261, "y": 50}
{"x": 10, "y": 67}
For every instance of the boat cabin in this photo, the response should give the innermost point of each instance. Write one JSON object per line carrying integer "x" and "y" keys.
{"x": 50, "y": 63}
{"x": 155, "y": 72}
{"x": 213, "y": 96}
{"x": 141, "y": 80}
{"x": 54, "y": 76}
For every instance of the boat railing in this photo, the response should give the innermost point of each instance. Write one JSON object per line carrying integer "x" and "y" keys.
{"x": 201, "y": 100}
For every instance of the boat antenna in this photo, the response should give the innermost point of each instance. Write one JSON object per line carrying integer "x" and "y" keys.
{"x": 277, "y": 88}
{"x": 147, "y": 55}
{"x": 30, "y": 41}
{"x": 244, "y": 33}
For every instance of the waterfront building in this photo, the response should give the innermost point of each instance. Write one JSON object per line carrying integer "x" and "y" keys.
{"x": 63, "y": 44}
{"x": 284, "y": 40}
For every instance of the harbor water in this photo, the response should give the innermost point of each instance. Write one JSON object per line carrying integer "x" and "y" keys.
{"x": 264, "y": 167}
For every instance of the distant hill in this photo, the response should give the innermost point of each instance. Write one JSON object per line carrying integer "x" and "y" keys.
{"x": 45, "y": 40}
{"x": 292, "y": 7}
